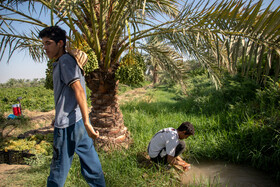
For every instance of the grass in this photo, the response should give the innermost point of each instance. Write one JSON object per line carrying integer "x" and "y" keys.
{"x": 231, "y": 124}
{"x": 33, "y": 98}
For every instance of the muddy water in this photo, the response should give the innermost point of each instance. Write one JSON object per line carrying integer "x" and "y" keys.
{"x": 223, "y": 174}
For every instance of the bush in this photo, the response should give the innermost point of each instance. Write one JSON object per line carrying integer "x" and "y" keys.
{"x": 268, "y": 103}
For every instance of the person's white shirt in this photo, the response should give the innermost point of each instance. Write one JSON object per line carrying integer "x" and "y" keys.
{"x": 167, "y": 138}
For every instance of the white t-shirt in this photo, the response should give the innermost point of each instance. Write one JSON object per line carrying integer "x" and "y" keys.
{"x": 166, "y": 138}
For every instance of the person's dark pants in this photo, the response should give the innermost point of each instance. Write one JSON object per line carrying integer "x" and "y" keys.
{"x": 179, "y": 150}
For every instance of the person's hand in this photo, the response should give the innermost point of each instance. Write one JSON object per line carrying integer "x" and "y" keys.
{"x": 187, "y": 168}
{"x": 185, "y": 165}
{"x": 52, "y": 123}
{"x": 91, "y": 132}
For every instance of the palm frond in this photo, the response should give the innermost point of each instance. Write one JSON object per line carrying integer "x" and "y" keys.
{"x": 221, "y": 35}
{"x": 166, "y": 57}
{"x": 226, "y": 33}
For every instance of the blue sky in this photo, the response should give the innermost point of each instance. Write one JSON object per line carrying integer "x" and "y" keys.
{"x": 21, "y": 66}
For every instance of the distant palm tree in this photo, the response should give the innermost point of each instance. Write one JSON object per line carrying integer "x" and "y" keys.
{"x": 217, "y": 34}
{"x": 163, "y": 57}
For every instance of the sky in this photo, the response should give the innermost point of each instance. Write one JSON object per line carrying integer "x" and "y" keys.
{"x": 21, "y": 65}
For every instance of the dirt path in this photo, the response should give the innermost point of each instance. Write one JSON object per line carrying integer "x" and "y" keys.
{"x": 7, "y": 171}
{"x": 136, "y": 94}
{"x": 41, "y": 124}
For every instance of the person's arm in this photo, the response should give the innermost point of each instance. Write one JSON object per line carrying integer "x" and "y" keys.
{"x": 177, "y": 161}
{"x": 179, "y": 158}
{"x": 82, "y": 102}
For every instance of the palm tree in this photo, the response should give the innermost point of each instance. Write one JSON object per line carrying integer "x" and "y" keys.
{"x": 217, "y": 35}
{"x": 162, "y": 56}
{"x": 230, "y": 35}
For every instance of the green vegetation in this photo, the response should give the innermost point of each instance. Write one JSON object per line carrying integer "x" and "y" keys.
{"x": 36, "y": 144}
{"x": 16, "y": 83}
{"x": 49, "y": 77}
{"x": 238, "y": 123}
{"x": 33, "y": 98}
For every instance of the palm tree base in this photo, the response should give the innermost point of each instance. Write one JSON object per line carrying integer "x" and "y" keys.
{"x": 105, "y": 114}
{"x": 113, "y": 139}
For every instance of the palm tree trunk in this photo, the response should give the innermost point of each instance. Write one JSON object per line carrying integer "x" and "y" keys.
{"x": 105, "y": 115}
{"x": 277, "y": 69}
{"x": 155, "y": 74}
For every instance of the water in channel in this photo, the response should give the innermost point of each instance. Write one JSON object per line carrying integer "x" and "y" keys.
{"x": 222, "y": 174}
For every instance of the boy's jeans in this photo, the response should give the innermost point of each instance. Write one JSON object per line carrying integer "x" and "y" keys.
{"x": 66, "y": 142}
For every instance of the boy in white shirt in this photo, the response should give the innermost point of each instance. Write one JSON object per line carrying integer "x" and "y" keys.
{"x": 167, "y": 144}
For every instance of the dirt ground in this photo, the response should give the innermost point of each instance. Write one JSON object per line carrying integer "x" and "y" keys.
{"x": 7, "y": 170}
{"x": 40, "y": 123}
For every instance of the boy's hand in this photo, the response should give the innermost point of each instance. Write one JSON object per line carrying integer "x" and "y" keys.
{"x": 91, "y": 132}
{"x": 52, "y": 123}
{"x": 184, "y": 164}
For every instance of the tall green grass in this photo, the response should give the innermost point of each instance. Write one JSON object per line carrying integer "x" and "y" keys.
{"x": 238, "y": 123}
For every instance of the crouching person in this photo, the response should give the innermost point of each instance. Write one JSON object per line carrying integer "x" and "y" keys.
{"x": 167, "y": 144}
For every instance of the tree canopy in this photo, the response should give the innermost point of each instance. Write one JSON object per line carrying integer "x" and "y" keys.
{"x": 219, "y": 34}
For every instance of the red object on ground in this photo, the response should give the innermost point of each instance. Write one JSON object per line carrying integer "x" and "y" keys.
{"x": 16, "y": 110}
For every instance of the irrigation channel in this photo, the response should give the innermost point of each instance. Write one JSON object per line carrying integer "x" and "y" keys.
{"x": 220, "y": 173}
